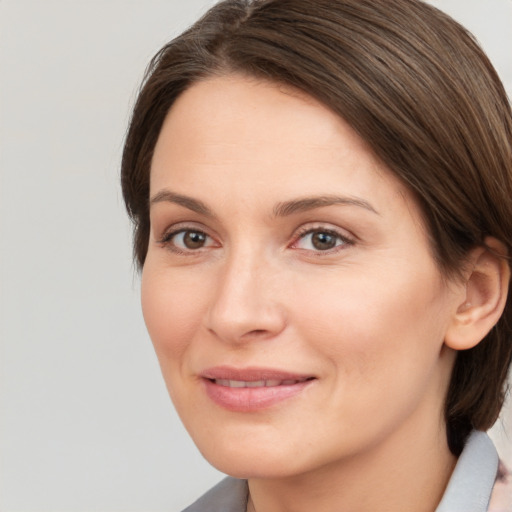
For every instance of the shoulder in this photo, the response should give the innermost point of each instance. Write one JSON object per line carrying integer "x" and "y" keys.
{"x": 229, "y": 495}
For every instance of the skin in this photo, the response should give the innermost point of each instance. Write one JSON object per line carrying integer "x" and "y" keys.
{"x": 367, "y": 318}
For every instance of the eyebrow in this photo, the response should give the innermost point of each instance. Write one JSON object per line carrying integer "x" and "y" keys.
{"x": 188, "y": 202}
{"x": 310, "y": 203}
{"x": 283, "y": 209}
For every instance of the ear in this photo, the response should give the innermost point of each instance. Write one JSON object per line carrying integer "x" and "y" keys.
{"x": 485, "y": 290}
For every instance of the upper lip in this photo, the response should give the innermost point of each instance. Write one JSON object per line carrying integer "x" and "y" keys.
{"x": 251, "y": 374}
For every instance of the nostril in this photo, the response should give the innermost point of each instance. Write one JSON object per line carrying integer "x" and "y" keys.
{"x": 256, "y": 332}
{"x": 240, "y": 321}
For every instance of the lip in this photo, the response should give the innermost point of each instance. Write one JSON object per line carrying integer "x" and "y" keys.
{"x": 252, "y": 389}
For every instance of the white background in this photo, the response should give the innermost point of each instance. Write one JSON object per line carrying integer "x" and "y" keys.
{"x": 85, "y": 421}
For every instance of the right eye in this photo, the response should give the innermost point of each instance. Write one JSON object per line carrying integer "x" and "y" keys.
{"x": 185, "y": 240}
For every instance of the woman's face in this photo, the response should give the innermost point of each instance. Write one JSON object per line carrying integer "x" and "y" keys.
{"x": 289, "y": 290}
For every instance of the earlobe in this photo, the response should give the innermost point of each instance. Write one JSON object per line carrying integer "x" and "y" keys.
{"x": 486, "y": 288}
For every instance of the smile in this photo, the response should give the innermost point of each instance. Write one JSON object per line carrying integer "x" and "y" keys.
{"x": 252, "y": 389}
{"x": 257, "y": 383}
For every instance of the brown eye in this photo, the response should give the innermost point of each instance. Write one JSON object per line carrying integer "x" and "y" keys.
{"x": 323, "y": 241}
{"x": 185, "y": 240}
{"x": 194, "y": 239}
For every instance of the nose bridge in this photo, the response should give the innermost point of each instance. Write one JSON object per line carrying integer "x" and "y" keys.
{"x": 245, "y": 305}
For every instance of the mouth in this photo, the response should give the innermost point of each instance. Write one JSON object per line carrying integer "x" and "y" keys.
{"x": 252, "y": 389}
{"x": 271, "y": 383}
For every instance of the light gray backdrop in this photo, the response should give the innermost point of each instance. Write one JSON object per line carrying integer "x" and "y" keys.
{"x": 85, "y": 421}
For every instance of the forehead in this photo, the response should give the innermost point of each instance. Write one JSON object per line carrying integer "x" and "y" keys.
{"x": 243, "y": 136}
{"x": 235, "y": 115}
{"x": 243, "y": 109}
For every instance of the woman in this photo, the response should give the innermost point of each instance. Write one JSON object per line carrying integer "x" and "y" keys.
{"x": 320, "y": 191}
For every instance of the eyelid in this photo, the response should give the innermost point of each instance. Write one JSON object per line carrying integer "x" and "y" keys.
{"x": 343, "y": 235}
{"x": 166, "y": 238}
{"x": 347, "y": 238}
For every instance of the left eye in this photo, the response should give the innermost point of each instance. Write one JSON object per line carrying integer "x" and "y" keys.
{"x": 320, "y": 240}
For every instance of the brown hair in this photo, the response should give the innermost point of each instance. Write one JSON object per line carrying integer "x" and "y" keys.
{"x": 414, "y": 84}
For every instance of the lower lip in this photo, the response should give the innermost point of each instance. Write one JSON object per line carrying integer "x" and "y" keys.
{"x": 252, "y": 399}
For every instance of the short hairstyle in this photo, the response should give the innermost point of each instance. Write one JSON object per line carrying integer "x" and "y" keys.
{"x": 414, "y": 85}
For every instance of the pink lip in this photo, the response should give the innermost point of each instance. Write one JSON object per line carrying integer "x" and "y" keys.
{"x": 247, "y": 399}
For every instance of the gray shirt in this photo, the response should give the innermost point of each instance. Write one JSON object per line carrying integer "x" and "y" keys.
{"x": 469, "y": 489}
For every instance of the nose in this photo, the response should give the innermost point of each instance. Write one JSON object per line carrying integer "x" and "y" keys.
{"x": 245, "y": 305}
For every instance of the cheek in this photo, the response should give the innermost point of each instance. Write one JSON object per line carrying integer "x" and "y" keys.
{"x": 382, "y": 346}
{"x": 172, "y": 312}
{"x": 376, "y": 324}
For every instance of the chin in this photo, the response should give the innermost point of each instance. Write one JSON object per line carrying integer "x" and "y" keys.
{"x": 246, "y": 467}
{"x": 249, "y": 458}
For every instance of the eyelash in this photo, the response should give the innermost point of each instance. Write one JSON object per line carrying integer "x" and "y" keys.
{"x": 167, "y": 240}
{"x": 344, "y": 239}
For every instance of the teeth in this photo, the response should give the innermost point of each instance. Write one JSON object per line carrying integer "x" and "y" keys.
{"x": 237, "y": 384}
{"x": 255, "y": 383}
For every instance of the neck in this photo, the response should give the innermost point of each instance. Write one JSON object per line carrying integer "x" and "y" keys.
{"x": 404, "y": 473}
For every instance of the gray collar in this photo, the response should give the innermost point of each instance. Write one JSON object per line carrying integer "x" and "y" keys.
{"x": 472, "y": 481}
{"x": 229, "y": 495}
{"x": 469, "y": 488}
